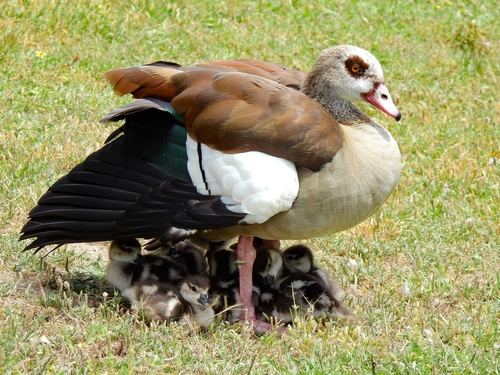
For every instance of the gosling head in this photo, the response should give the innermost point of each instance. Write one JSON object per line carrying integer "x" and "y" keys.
{"x": 299, "y": 258}
{"x": 124, "y": 250}
{"x": 195, "y": 290}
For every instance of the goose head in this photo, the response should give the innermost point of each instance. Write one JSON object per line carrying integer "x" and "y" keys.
{"x": 350, "y": 74}
{"x": 195, "y": 290}
{"x": 268, "y": 264}
{"x": 299, "y": 258}
{"x": 127, "y": 251}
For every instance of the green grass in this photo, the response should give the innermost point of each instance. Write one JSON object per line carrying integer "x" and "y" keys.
{"x": 426, "y": 284}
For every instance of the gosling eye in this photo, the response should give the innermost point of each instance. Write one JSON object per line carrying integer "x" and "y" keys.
{"x": 193, "y": 288}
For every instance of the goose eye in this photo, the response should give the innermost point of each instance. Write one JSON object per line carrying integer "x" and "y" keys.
{"x": 356, "y": 66}
{"x": 193, "y": 288}
{"x": 356, "y": 69}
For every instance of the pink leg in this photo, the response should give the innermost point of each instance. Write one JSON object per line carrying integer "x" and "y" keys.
{"x": 246, "y": 255}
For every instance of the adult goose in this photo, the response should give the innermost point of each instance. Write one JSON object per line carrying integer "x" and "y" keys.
{"x": 231, "y": 148}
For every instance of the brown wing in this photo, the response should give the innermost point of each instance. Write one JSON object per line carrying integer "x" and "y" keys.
{"x": 142, "y": 81}
{"x": 239, "y": 106}
{"x": 237, "y": 112}
{"x": 287, "y": 77}
{"x": 152, "y": 79}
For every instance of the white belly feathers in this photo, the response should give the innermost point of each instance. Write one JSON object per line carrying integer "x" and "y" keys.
{"x": 254, "y": 183}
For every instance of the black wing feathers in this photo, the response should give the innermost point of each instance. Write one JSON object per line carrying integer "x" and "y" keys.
{"x": 127, "y": 189}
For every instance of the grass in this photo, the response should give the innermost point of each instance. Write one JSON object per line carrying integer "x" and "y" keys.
{"x": 425, "y": 281}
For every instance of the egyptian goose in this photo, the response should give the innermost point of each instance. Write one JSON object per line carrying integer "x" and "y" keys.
{"x": 290, "y": 282}
{"x": 165, "y": 302}
{"x": 190, "y": 255}
{"x": 267, "y": 265}
{"x": 300, "y": 258}
{"x": 276, "y": 307}
{"x": 231, "y": 148}
{"x": 306, "y": 283}
{"x": 157, "y": 268}
{"x": 270, "y": 303}
{"x": 224, "y": 284}
{"x": 127, "y": 265}
{"x": 195, "y": 292}
{"x": 311, "y": 296}
{"x": 122, "y": 269}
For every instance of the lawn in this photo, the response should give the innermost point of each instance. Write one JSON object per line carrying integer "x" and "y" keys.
{"x": 422, "y": 273}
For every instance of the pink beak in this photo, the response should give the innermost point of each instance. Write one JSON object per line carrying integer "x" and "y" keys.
{"x": 381, "y": 99}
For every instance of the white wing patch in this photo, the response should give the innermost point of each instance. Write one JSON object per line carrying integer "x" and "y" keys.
{"x": 252, "y": 182}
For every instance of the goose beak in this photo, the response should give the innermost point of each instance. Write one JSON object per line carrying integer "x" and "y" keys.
{"x": 204, "y": 300}
{"x": 270, "y": 280}
{"x": 379, "y": 97}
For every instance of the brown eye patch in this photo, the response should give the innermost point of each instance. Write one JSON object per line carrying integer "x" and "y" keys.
{"x": 356, "y": 66}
